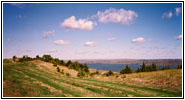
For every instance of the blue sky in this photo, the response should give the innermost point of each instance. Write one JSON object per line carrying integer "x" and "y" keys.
{"x": 93, "y": 31}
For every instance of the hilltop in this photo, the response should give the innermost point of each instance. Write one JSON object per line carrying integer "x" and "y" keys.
{"x": 38, "y": 78}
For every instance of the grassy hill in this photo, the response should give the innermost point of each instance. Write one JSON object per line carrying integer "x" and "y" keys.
{"x": 41, "y": 79}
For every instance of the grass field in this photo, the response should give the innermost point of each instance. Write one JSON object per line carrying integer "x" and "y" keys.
{"x": 30, "y": 79}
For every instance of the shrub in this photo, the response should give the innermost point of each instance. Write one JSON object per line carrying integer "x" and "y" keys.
{"x": 109, "y": 73}
{"x": 62, "y": 71}
{"x": 54, "y": 64}
{"x": 58, "y": 69}
{"x": 165, "y": 68}
{"x": 25, "y": 58}
{"x": 81, "y": 74}
{"x": 47, "y": 58}
{"x": 94, "y": 73}
{"x": 67, "y": 74}
{"x": 126, "y": 70}
{"x": 179, "y": 66}
{"x": 14, "y": 58}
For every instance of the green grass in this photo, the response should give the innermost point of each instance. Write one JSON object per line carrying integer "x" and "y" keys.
{"x": 26, "y": 79}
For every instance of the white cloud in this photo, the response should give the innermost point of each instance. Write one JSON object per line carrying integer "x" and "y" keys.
{"x": 46, "y": 34}
{"x": 167, "y": 15}
{"x": 81, "y": 24}
{"x": 177, "y": 11}
{"x": 178, "y": 37}
{"x": 61, "y": 42}
{"x": 111, "y": 39}
{"x": 90, "y": 43}
{"x": 138, "y": 40}
{"x": 52, "y": 50}
{"x": 112, "y": 15}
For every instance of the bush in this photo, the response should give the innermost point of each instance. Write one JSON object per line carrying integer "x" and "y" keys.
{"x": 165, "y": 68}
{"x": 62, "y": 71}
{"x": 25, "y": 58}
{"x": 47, "y": 58}
{"x": 179, "y": 66}
{"x": 109, "y": 73}
{"x": 94, "y": 73}
{"x": 81, "y": 74}
{"x": 67, "y": 74}
{"x": 126, "y": 70}
{"x": 58, "y": 69}
{"x": 14, "y": 58}
{"x": 54, "y": 64}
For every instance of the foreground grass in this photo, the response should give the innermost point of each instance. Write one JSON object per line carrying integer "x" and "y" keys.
{"x": 26, "y": 79}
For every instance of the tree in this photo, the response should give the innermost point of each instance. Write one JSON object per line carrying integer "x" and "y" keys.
{"x": 126, "y": 70}
{"x": 179, "y": 66}
{"x": 37, "y": 57}
{"x": 14, "y": 58}
{"x": 58, "y": 69}
{"x": 154, "y": 67}
{"x": 143, "y": 67}
{"x": 47, "y": 58}
{"x": 62, "y": 62}
{"x": 68, "y": 63}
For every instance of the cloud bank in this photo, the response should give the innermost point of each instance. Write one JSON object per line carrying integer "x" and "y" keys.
{"x": 111, "y": 39}
{"x": 46, "y": 34}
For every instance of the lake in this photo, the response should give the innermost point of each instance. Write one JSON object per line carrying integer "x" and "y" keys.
{"x": 117, "y": 67}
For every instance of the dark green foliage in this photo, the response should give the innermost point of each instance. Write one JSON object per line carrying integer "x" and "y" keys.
{"x": 148, "y": 68}
{"x": 54, "y": 64}
{"x": 138, "y": 70}
{"x": 47, "y": 58}
{"x": 37, "y": 57}
{"x": 58, "y": 69}
{"x": 78, "y": 67}
{"x": 67, "y": 74}
{"x": 126, "y": 70}
{"x": 94, "y": 73}
{"x": 179, "y": 66}
{"x": 62, "y": 62}
{"x": 109, "y": 73}
{"x": 25, "y": 58}
{"x": 68, "y": 63}
{"x": 81, "y": 74}
{"x": 143, "y": 67}
{"x": 62, "y": 71}
{"x": 165, "y": 68}
{"x": 14, "y": 58}
{"x": 154, "y": 67}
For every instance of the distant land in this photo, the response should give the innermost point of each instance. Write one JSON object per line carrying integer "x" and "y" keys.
{"x": 170, "y": 62}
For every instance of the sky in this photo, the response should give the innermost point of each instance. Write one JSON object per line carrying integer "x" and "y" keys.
{"x": 93, "y": 30}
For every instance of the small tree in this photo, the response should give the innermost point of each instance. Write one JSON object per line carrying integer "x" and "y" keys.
{"x": 109, "y": 73}
{"x": 68, "y": 63}
{"x": 47, "y": 58}
{"x": 143, "y": 67}
{"x": 14, "y": 58}
{"x": 37, "y": 57}
{"x": 179, "y": 66}
{"x": 154, "y": 67}
{"x": 126, "y": 70}
{"x": 58, "y": 69}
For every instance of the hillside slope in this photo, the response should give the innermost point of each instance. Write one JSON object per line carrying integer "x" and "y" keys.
{"x": 41, "y": 79}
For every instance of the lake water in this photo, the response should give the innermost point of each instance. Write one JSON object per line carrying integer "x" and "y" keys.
{"x": 117, "y": 67}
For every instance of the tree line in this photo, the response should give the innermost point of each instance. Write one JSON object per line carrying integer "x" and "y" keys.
{"x": 82, "y": 69}
{"x": 145, "y": 68}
